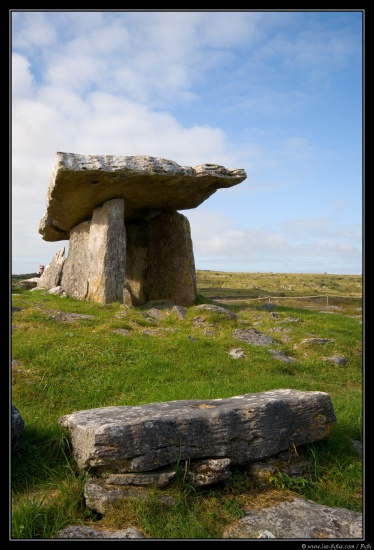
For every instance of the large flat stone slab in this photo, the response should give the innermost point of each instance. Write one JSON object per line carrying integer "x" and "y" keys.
{"x": 81, "y": 183}
{"x": 245, "y": 428}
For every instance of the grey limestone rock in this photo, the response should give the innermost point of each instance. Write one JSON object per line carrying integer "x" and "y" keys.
{"x": 298, "y": 519}
{"x": 244, "y": 429}
{"x": 84, "y": 532}
{"x": 80, "y": 183}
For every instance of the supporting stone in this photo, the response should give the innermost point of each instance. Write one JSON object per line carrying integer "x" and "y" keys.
{"x": 107, "y": 253}
{"x": 95, "y": 266}
{"x": 171, "y": 269}
{"x": 137, "y": 249}
{"x": 77, "y": 267}
{"x": 160, "y": 263}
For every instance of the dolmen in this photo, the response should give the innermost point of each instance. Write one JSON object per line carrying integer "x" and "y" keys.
{"x": 127, "y": 240}
{"x": 128, "y": 446}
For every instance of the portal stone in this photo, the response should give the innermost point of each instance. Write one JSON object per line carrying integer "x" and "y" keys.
{"x": 171, "y": 270}
{"x": 95, "y": 266}
{"x": 160, "y": 263}
{"x": 77, "y": 267}
{"x": 107, "y": 253}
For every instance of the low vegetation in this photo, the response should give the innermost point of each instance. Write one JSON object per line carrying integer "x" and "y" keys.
{"x": 62, "y": 363}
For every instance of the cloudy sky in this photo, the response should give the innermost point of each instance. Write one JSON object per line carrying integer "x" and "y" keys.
{"x": 278, "y": 94}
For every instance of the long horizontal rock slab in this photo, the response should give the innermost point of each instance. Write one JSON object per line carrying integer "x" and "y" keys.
{"x": 81, "y": 183}
{"x": 243, "y": 428}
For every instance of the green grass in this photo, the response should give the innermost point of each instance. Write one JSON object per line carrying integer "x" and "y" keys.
{"x": 63, "y": 366}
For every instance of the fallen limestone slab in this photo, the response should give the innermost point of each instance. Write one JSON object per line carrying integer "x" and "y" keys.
{"x": 244, "y": 429}
{"x": 80, "y": 183}
{"x": 298, "y": 519}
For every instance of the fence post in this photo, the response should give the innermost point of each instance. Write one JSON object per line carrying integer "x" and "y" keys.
{"x": 327, "y": 301}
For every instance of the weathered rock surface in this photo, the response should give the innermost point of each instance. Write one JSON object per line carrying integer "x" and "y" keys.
{"x": 217, "y": 309}
{"x": 160, "y": 263}
{"x": 29, "y": 284}
{"x": 244, "y": 428}
{"x": 253, "y": 336}
{"x": 148, "y": 185}
{"x": 298, "y": 519}
{"x": 74, "y": 278}
{"x": 84, "y": 532}
{"x": 107, "y": 253}
{"x": 159, "y": 478}
{"x": 52, "y": 274}
{"x": 210, "y": 471}
{"x": 95, "y": 266}
{"x": 100, "y": 495}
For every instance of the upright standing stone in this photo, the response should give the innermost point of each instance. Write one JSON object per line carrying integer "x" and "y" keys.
{"x": 160, "y": 262}
{"x": 77, "y": 267}
{"x": 52, "y": 274}
{"x": 137, "y": 248}
{"x": 171, "y": 269}
{"x": 107, "y": 253}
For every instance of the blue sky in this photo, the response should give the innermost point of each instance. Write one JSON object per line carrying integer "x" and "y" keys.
{"x": 277, "y": 93}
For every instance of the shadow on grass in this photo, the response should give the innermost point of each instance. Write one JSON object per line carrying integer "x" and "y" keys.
{"x": 42, "y": 454}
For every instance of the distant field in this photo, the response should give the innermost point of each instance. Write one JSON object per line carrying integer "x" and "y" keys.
{"x": 291, "y": 289}
{"x": 253, "y": 285}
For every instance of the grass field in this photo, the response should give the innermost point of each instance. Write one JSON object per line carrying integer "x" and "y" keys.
{"x": 62, "y": 363}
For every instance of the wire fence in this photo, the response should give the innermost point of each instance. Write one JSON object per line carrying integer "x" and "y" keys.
{"x": 323, "y": 296}
{"x": 321, "y": 300}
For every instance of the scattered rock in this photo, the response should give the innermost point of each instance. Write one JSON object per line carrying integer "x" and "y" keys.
{"x": 337, "y": 359}
{"x": 253, "y": 336}
{"x": 278, "y": 355}
{"x": 237, "y": 353}
{"x": 84, "y": 532}
{"x": 320, "y": 341}
{"x": 100, "y": 495}
{"x": 180, "y": 311}
{"x": 69, "y": 317}
{"x": 298, "y": 519}
{"x": 123, "y": 331}
{"x": 209, "y": 471}
{"x": 217, "y": 309}
{"x": 274, "y": 315}
{"x": 29, "y": 284}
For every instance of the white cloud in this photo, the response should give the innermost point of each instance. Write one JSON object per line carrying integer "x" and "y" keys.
{"x": 39, "y": 34}
{"x": 218, "y": 238}
{"x": 22, "y": 80}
